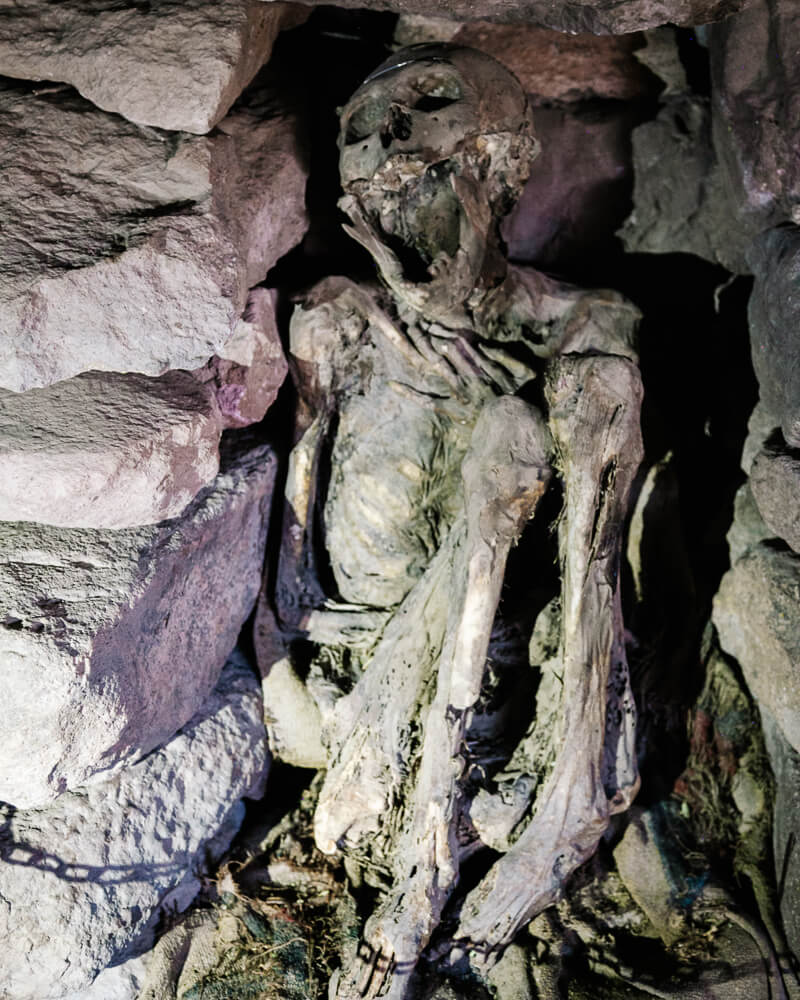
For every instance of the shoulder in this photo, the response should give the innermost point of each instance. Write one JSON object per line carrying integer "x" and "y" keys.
{"x": 555, "y": 318}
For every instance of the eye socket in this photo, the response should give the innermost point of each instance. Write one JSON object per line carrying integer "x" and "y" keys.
{"x": 365, "y": 121}
{"x": 437, "y": 92}
{"x": 429, "y": 102}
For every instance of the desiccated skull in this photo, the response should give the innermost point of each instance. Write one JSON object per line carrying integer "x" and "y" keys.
{"x": 435, "y": 148}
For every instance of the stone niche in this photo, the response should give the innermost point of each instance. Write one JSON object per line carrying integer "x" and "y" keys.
{"x": 399, "y": 490}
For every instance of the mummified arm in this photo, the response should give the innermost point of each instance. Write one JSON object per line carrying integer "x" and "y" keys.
{"x": 594, "y": 416}
{"x": 504, "y": 474}
{"x": 323, "y": 333}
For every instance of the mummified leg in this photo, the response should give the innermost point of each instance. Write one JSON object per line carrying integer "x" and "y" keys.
{"x": 505, "y": 473}
{"x": 594, "y": 416}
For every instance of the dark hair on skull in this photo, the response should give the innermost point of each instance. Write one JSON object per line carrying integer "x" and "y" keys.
{"x": 435, "y": 147}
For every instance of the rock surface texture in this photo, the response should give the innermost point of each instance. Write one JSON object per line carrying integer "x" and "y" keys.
{"x": 104, "y": 450}
{"x": 756, "y": 87}
{"x": 785, "y": 763}
{"x": 747, "y": 527}
{"x": 774, "y": 313}
{"x": 694, "y": 216}
{"x": 82, "y": 879}
{"x": 137, "y": 254}
{"x": 572, "y": 201}
{"x": 111, "y": 640}
{"x": 551, "y": 66}
{"x": 775, "y": 482}
{"x": 596, "y": 16}
{"x": 248, "y": 371}
{"x": 122, "y": 56}
{"x": 757, "y": 615}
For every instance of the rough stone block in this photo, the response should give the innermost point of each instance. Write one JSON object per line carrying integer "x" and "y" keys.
{"x": 761, "y": 425}
{"x": 84, "y": 878}
{"x": 249, "y": 370}
{"x": 596, "y": 16}
{"x": 103, "y": 450}
{"x": 550, "y": 65}
{"x": 118, "y": 982}
{"x": 774, "y": 315}
{"x": 757, "y": 615}
{"x": 173, "y": 65}
{"x": 747, "y": 528}
{"x": 111, "y": 640}
{"x": 129, "y": 249}
{"x": 642, "y": 858}
{"x": 755, "y": 73}
{"x": 775, "y": 482}
{"x": 785, "y": 763}
{"x": 693, "y": 216}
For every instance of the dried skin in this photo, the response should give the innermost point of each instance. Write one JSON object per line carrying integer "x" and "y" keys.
{"x": 505, "y": 473}
{"x": 594, "y": 416}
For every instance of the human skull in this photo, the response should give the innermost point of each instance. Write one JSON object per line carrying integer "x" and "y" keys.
{"x": 435, "y": 147}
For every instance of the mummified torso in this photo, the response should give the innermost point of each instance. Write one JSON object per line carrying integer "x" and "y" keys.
{"x": 389, "y": 402}
{"x": 397, "y": 435}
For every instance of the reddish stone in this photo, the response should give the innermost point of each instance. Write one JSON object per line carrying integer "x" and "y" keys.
{"x": 572, "y": 202}
{"x": 553, "y": 66}
{"x": 248, "y": 372}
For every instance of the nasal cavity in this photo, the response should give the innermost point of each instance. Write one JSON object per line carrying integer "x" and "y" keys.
{"x": 396, "y": 126}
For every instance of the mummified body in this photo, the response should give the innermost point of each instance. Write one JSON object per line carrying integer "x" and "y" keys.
{"x": 416, "y": 468}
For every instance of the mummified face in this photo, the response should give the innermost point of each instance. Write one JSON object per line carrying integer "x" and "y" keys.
{"x": 435, "y": 147}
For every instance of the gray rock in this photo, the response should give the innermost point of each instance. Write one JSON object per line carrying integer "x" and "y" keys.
{"x": 111, "y": 640}
{"x": 510, "y": 978}
{"x": 774, "y": 314}
{"x": 775, "y": 482}
{"x": 757, "y": 615}
{"x": 747, "y": 528}
{"x": 249, "y": 370}
{"x": 103, "y": 450}
{"x": 595, "y": 16}
{"x": 651, "y": 860}
{"x": 177, "y": 66}
{"x": 661, "y": 56}
{"x": 643, "y": 861}
{"x": 86, "y": 877}
{"x": 785, "y": 763}
{"x": 756, "y": 86}
{"x": 118, "y": 982}
{"x": 760, "y": 426}
{"x": 129, "y": 249}
{"x": 693, "y": 216}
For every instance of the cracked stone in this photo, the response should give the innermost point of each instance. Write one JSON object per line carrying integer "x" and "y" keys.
{"x": 123, "y": 56}
{"x": 85, "y": 878}
{"x": 138, "y": 253}
{"x": 104, "y": 450}
{"x": 111, "y": 640}
{"x": 755, "y": 76}
{"x": 757, "y": 614}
